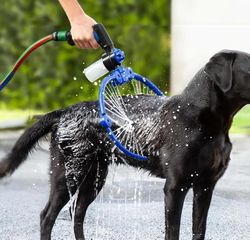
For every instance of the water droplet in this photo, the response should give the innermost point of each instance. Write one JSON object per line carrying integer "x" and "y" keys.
{"x": 95, "y": 83}
{"x": 174, "y": 117}
{"x": 74, "y": 78}
{"x": 81, "y": 87}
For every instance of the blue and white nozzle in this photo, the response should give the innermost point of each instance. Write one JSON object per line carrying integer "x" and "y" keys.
{"x": 111, "y": 58}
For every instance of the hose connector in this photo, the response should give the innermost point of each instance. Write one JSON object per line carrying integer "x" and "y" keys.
{"x": 63, "y": 36}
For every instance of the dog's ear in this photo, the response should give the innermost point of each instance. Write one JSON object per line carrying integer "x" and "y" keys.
{"x": 220, "y": 69}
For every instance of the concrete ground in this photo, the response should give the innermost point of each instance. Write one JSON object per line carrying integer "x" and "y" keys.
{"x": 129, "y": 207}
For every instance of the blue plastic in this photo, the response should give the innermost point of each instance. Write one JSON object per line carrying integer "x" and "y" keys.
{"x": 120, "y": 76}
{"x": 96, "y": 36}
{"x": 119, "y": 55}
{"x": 6, "y": 80}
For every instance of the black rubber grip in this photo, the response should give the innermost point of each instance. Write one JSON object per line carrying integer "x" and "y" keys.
{"x": 69, "y": 39}
{"x": 102, "y": 37}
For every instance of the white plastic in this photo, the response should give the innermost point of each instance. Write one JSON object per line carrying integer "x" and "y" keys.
{"x": 95, "y": 71}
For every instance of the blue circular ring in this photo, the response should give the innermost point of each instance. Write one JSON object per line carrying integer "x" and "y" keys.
{"x": 106, "y": 122}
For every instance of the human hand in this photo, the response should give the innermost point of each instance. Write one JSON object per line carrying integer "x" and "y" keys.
{"x": 82, "y": 32}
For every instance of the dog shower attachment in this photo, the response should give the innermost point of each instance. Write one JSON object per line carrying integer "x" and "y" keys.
{"x": 116, "y": 112}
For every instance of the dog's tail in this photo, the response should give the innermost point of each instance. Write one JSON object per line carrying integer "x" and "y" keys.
{"x": 27, "y": 141}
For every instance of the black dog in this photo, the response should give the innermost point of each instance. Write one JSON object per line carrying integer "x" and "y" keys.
{"x": 186, "y": 141}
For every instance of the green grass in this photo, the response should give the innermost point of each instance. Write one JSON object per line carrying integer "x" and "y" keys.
{"x": 241, "y": 123}
{"x": 6, "y": 115}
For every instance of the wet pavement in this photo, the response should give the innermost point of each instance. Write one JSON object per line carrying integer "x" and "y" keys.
{"x": 130, "y": 205}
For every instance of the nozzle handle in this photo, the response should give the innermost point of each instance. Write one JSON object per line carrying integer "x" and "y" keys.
{"x": 100, "y": 34}
{"x": 102, "y": 37}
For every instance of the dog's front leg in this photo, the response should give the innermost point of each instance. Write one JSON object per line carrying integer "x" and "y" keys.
{"x": 174, "y": 199}
{"x": 201, "y": 202}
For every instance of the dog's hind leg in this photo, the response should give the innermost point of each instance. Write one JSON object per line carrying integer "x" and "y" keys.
{"x": 174, "y": 198}
{"x": 58, "y": 198}
{"x": 88, "y": 191}
{"x": 59, "y": 195}
{"x": 201, "y": 203}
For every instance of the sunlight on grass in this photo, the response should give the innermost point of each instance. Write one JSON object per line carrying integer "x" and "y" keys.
{"x": 241, "y": 123}
{"x": 6, "y": 115}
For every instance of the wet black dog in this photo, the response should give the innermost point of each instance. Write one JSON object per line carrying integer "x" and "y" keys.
{"x": 185, "y": 138}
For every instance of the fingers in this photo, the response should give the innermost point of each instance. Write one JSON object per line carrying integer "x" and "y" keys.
{"x": 87, "y": 45}
{"x": 94, "y": 44}
{"x": 78, "y": 43}
{"x": 82, "y": 32}
{"x": 85, "y": 42}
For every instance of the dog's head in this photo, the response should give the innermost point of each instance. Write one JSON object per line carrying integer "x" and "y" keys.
{"x": 230, "y": 71}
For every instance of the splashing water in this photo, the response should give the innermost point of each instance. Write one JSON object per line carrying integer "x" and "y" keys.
{"x": 73, "y": 204}
{"x": 129, "y": 120}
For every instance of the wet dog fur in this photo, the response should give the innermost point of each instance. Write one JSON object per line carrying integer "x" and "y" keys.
{"x": 186, "y": 142}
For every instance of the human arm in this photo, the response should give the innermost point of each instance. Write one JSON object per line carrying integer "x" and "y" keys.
{"x": 81, "y": 24}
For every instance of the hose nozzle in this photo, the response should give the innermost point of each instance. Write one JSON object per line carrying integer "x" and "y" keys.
{"x": 107, "y": 63}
